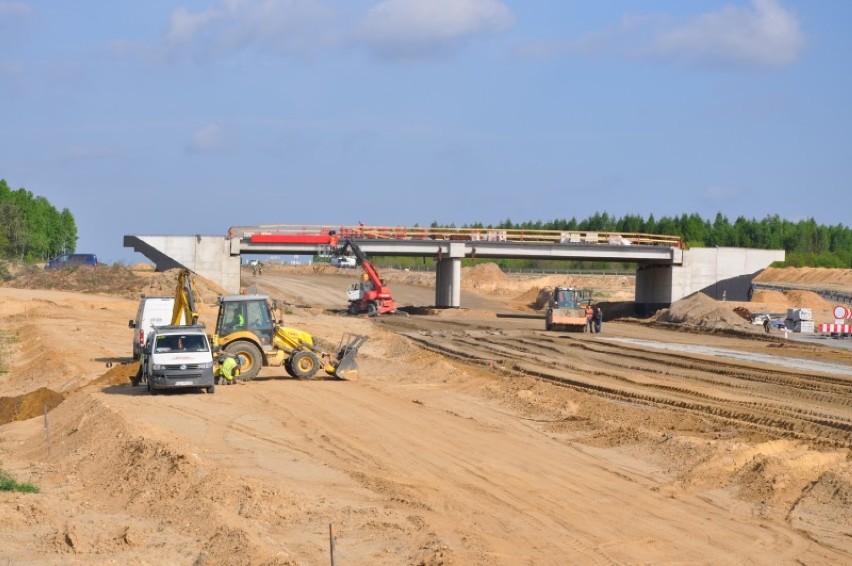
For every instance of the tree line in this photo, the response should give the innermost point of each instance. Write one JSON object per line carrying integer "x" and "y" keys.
{"x": 806, "y": 243}
{"x": 32, "y": 229}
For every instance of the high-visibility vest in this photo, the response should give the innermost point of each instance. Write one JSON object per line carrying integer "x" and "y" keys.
{"x": 228, "y": 367}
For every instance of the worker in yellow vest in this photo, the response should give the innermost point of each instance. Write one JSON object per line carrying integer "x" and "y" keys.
{"x": 229, "y": 368}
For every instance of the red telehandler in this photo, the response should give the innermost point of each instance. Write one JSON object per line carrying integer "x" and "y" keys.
{"x": 370, "y": 295}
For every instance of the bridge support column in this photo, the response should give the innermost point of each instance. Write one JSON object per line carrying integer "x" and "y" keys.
{"x": 448, "y": 276}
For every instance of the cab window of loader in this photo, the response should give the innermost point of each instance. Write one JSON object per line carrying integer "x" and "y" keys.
{"x": 565, "y": 299}
{"x": 233, "y": 316}
{"x": 258, "y": 316}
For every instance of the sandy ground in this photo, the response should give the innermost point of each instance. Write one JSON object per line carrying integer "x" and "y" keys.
{"x": 472, "y": 436}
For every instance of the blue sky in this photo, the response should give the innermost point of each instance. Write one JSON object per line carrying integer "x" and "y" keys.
{"x": 189, "y": 117}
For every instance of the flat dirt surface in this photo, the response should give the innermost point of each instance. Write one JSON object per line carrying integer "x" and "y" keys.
{"x": 471, "y": 437}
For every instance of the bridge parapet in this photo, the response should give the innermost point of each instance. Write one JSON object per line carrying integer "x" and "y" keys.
{"x": 330, "y": 235}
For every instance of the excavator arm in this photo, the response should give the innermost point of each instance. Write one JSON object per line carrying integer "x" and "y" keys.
{"x": 368, "y": 268}
{"x": 377, "y": 298}
{"x": 184, "y": 310}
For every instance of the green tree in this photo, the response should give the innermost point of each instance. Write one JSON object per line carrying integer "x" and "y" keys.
{"x": 33, "y": 229}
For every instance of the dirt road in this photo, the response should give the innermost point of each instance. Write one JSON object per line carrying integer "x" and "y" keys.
{"x": 469, "y": 439}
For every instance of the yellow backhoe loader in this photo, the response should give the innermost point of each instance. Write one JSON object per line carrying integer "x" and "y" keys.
{"x": 246, "y": 327}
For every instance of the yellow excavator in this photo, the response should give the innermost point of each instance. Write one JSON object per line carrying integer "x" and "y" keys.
{"x": 245, "y": 327}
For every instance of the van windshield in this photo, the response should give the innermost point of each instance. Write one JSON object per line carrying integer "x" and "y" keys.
{"x": 181, "y": 343}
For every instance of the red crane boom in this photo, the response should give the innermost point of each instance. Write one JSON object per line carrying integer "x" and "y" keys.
{"x": 373, "y": 296}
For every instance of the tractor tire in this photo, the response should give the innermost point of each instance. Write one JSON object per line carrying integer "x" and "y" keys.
{"x": 373, "y": 310}
{"x": 304, "y": 364}
{"x": 288, "y": 367}
{"x": 252, "y": 355}
{"x": 353, "y": 308}
{"x": 210, "y": 390}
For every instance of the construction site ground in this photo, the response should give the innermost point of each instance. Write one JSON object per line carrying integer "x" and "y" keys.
{"x": 471, "y": 437}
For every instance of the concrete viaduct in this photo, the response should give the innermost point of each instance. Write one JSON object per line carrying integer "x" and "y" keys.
{"x": 666, "y": 272}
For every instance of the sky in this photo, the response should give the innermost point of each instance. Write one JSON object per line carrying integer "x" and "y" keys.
{"x": 185, "y": 118}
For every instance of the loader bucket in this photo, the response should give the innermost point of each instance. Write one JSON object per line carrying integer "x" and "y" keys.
{"x": 344, "y": 366}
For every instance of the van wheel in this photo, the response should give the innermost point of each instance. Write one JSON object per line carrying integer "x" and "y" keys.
{"x": 211, "y": 389}
{"x": 253, "y": 358}
{"x": 151, "y": 390}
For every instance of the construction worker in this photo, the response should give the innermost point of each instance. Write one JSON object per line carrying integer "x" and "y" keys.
{"x": 590, "y": 322}
{"x": 238, "y": 321}
{"x": 229, "y": 369}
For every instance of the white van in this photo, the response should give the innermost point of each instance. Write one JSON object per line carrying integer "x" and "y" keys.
{"x": 345, "y": 262}
{"x": 177, "y": 357}
{"x": 152, "y": 311}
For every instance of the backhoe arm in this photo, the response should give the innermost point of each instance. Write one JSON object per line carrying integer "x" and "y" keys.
{"x": 184, "y": 310}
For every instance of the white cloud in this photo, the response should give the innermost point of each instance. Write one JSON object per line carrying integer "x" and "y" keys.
{"x": 764, "y": 34}
{"x": 185, "y": 25}
{"x": 210, "y": 137}
{"x": 417, "y": 28}
{"x": 282, "y": 26}
{"x": 760, "y": 34}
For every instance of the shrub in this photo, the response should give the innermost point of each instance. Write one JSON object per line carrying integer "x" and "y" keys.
{"x": 7, "y": 483}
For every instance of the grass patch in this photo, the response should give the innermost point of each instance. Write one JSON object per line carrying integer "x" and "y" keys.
{"x": 7, "y": 483}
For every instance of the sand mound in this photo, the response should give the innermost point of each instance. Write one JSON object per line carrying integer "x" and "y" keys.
{"x": 484, "y": 276}
{"x": 700, "y": 311}
{"x": 113, "y": 280}
{"x": 807, "y": 299}
{"x": 810, "y": 276}
{"x": 142, "y": 266}
{"x": 764, "y": 296}
{"x": 28, "y": 405}
{"x": 164, "y": 283}
{"x": 147, "y": 473}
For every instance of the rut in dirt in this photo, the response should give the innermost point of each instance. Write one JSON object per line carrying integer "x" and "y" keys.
{"x": 814, "y": 408}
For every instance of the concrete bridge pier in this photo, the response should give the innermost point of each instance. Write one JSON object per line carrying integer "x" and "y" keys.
{"x": 448, "y": 275}
{"x": 720, "y": 273}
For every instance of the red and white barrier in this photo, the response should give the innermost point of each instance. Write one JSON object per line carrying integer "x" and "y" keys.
{"x": 836, "y": 328}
